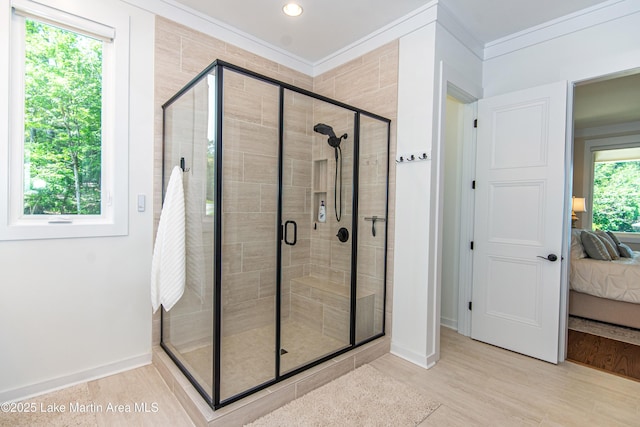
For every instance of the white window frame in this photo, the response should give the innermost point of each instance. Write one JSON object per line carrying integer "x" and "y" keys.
{"x": 602, "y": 144}
{"x": 114, "y": 31}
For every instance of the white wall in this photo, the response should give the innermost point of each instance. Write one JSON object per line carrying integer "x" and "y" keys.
{"x": 416, "y": 93}
{"x": 595, "y": 51}
{"x": 75, "y": 309}
{"x": 426, "y": 56}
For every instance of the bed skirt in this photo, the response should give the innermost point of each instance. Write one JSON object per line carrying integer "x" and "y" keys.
{"x": 604, "y": 310}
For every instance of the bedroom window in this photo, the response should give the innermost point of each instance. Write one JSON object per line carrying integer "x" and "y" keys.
{"x": 66, "y": 136}
{"x": 616, "y": 190}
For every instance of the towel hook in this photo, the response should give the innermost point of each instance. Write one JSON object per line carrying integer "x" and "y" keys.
{"x": 182, "y": 165}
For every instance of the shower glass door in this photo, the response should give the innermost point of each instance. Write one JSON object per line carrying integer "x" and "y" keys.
{"x": 250, "y": 164}
{"x": 317, "y": 174}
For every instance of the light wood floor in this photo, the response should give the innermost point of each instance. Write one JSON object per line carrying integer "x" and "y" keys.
{"x": 481, "y": 385}
{"x": 476, "y": 384}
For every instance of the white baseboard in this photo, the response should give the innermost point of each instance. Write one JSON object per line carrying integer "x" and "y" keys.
{"x": 449, "y": 323}
{"x": 48, "y": 386}
{"x": 413, "y": 357}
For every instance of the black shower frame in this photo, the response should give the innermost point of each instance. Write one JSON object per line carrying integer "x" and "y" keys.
{"x": 219, "y": 66}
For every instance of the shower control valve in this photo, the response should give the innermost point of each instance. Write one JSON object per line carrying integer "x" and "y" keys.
{"x": 343, "y": 234}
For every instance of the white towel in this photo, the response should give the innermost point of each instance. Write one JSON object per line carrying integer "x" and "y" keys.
{"x": 168, "y": 263}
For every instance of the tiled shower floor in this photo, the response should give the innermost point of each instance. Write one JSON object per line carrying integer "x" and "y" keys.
{"x": 248, "y": 359}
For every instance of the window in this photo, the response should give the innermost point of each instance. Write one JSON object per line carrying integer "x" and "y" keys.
{"x": 616, "y": 190}
{"x": 68, "y": 125}
{"x": 62, "y": 122}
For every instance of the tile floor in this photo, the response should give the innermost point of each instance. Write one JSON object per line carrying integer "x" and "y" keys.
{"x": 248, "y": 359}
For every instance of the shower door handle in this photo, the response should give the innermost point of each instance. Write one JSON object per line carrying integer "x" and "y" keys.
{"x": 295, "y": 233}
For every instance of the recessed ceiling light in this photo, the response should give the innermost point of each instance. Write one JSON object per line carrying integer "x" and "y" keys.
{"x": 292, "y": 9}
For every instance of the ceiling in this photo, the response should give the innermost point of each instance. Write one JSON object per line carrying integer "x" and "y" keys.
{"x": 327, "y": 26}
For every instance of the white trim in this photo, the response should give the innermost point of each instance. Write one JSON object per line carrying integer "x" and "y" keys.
{"x": 611, "y": 130}
{"x": 563, "y": 319}
{"x": 413, "y": 357}
{"x": 590, "y": 146}
{"x": 589, "y": 17}
{"x": 114, "y": 217}
{"x": 65, "y": 381}
{"x": 467, "y": 206}
{"x": 447, "y": 19}
{"x": 449, "y": 323}
{"x": 200, "y": 22}
{"x": 420, "y": 17}
{"x": 432, "y": 11}
{"x": 78, "y": 24}
{"x": 454, "y": 84}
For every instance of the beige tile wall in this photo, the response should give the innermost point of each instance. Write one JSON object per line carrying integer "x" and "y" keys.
{"x": 180, "y": 54}
{"x": 369, "y": 82}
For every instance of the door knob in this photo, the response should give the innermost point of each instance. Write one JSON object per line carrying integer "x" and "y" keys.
{"x": 550, "y": 257}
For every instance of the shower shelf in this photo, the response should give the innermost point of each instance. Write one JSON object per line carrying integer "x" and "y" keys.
{"x": 326, "y": 300}
{"x": 320, "y": 176}
{"x": 319, "y": 184}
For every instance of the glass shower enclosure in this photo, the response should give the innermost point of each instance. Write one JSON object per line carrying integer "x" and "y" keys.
{"x": 286, "y": 233}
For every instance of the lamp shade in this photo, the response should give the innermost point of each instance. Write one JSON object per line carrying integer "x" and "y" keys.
{"x": 578, "y": 204}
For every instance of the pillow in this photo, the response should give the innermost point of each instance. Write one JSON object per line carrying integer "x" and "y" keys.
{"x": 625, "y": 251}
{"x": 594, "y": 247}
{"x": 611, "y": 246}
{"x": 577, "y": 250}
{"x": 613, "y": 237}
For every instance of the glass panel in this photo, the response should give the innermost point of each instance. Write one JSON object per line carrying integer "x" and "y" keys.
{"x": 250, "y": 144}
{"x": 62, "y": 122}
{"x": 372, "y": 210}
{"x": 616, "y": 190}
{"x": 316, "y": 266}
{"x": 188, "y": 326}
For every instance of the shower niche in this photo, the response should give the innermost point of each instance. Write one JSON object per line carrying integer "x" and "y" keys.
{"x": 272, "y": 289}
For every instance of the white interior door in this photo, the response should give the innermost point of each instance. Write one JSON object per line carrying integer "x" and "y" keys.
{"x": 519, "y": 219}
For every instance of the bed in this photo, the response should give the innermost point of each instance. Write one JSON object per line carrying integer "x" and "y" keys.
{"x": 607, "y": 291}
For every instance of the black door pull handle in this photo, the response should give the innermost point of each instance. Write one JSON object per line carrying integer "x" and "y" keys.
{"x": 550, "y": 257}
{"x": 295, "y": 233}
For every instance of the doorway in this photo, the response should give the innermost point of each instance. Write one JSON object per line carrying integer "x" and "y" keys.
{"x": 606, "y": 132}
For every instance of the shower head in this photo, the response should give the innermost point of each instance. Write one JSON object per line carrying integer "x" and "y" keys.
{"x": 327, "y": 130}
{"x": 324, "y": 129}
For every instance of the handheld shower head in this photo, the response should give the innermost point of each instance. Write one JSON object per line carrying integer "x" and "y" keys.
{"x": 334, "y": 141}
{"x": 324, "y": 130}
{"x": 327, "y": 130}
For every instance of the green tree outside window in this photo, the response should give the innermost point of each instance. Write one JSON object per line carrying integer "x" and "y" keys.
{"x": 62, "y": 122}
{"x": 616, "y": 196}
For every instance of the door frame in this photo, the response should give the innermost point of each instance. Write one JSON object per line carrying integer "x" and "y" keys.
{"x": 460, "y": 88}
{"x": 453, "y": 83}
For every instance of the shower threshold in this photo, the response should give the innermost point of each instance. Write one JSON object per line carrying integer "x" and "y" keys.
{"x": 260, "y": 403}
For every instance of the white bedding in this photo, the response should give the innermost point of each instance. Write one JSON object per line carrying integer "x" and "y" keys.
{"x": 619, "y": 279}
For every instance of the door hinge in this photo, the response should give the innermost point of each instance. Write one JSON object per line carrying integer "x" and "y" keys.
{"x": 470, "y": 305}
{"x": 473, "y": 184}
{"x": 471, "y": 245}
{"x": 475, "y": 123}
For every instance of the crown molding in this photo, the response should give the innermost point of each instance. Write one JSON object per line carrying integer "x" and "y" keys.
{"x": 200, "y": 22}
{"x": 425, "y": 15}
{"x": 447, "y": 19}
{"x": 589, "y": 17}
{"x": 418, "y": 18}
